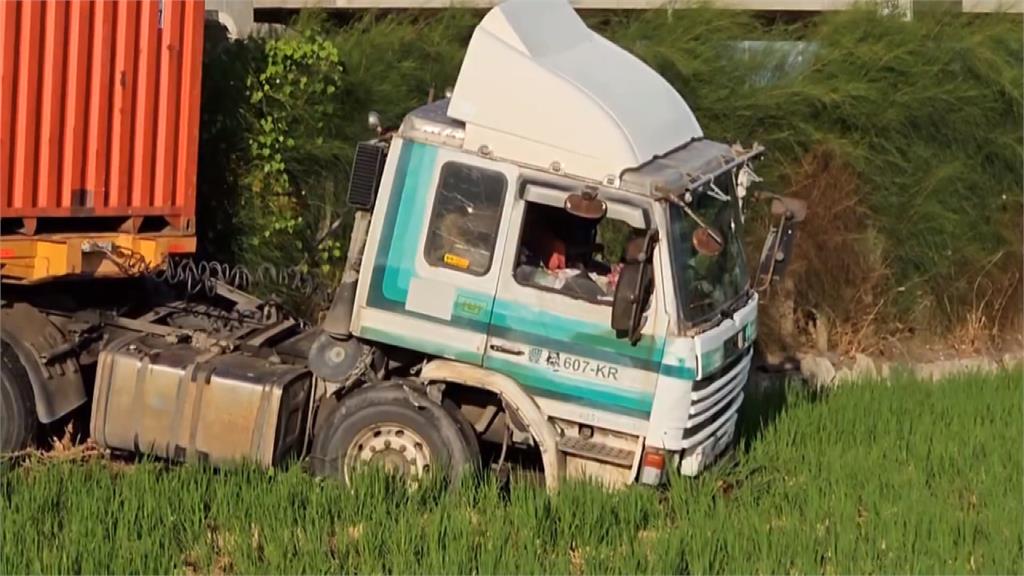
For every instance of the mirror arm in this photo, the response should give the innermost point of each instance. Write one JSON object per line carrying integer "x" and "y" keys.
{"x": 779, "y": 244}
{"x": 764, "y": 277}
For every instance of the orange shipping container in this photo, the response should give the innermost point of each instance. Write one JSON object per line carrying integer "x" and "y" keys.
{"x": 99, "y": 114}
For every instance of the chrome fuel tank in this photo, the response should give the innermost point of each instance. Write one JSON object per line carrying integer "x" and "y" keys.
{"x": 180, "y": 402}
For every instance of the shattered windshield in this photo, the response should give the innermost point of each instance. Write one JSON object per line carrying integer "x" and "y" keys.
{"x": 707, "y": 252}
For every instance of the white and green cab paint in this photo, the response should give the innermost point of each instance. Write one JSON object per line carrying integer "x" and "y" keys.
{"x": 552, "y": 107}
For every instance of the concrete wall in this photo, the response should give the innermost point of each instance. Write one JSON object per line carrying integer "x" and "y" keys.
{"x": 767, "y": 5}
{"x": 235, "y": 15}
{"x": 238, "y": 16}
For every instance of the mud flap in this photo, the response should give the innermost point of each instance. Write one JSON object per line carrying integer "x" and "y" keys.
{"x": 56, "y": 382}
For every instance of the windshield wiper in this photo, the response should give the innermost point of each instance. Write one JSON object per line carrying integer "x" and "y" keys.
{"x": 730, "y": 308}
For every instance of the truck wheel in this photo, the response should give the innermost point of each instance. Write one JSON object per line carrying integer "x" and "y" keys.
{"x": 395, "y": 426}
{"x": 17, "y": 406}
{"x": 467, "y": 431}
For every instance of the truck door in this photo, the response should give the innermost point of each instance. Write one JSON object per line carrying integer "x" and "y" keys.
{"x": 551, "y": 324}
{"x": 436, "y": 266}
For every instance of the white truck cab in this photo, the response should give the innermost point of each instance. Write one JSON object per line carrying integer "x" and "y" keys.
{"x": 549, "y": 260}
{"x": 559, "y": 233}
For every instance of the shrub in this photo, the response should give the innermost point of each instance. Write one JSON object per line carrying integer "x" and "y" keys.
{"x": 920, "y": 121}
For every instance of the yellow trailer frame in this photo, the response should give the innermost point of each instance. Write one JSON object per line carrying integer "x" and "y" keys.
{"x": 31, "y": 259}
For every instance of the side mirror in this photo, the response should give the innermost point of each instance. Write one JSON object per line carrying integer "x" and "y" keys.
{"x": 778, "y": 246}
{"x": 586, "y": 205}
{"x": 633, "y": 291}
{"x": 374, "y": 123}
{"x": 792, "y": 208}
{"x": 707, "y": 242}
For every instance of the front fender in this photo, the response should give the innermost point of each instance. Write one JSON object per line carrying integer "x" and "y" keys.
{"x": 516, "y": 398}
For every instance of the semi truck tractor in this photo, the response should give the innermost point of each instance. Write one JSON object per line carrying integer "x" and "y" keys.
{"x": 549, "y": 259}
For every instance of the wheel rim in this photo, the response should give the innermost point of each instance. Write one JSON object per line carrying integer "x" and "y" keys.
{"x": 396, "y": 448}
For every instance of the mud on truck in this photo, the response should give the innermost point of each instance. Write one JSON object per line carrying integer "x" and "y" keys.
{"x": 550, "y": 259}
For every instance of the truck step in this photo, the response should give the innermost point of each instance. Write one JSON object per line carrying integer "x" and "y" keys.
{"x": 596, "y": 451}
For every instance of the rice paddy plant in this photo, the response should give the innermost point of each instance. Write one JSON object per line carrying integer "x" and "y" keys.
{"x": 877, "y": 477}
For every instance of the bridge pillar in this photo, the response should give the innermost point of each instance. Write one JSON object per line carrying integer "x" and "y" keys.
{"x": 235, "y": 15}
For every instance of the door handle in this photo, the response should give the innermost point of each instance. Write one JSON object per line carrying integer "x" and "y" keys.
{"x": 507, "y": 350}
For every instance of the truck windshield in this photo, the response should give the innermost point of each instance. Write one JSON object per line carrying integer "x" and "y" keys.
{"x": 708, "y": 280}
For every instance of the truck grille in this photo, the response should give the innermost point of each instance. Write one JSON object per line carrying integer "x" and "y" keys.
{"x": 715, "y": 400}
{"x": 715, "y": 377}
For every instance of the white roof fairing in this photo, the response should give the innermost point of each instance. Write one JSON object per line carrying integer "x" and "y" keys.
{"x": 537, "y": 86}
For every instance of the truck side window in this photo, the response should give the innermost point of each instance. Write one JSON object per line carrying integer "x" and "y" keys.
{"x": 465, "y": 219}
{"x": 573, "y": 256}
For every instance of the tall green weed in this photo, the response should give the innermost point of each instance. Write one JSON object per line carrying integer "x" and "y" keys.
{"x": 920, "y": 120}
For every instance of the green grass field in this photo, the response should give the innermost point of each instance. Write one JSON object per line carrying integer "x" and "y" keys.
{"x": 890, "y": 477}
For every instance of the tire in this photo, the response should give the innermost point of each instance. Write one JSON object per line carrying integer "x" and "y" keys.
{"x": 18, "y": 422}
{"x": 394, "y": 425}
{"x": 467, "y": 431}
